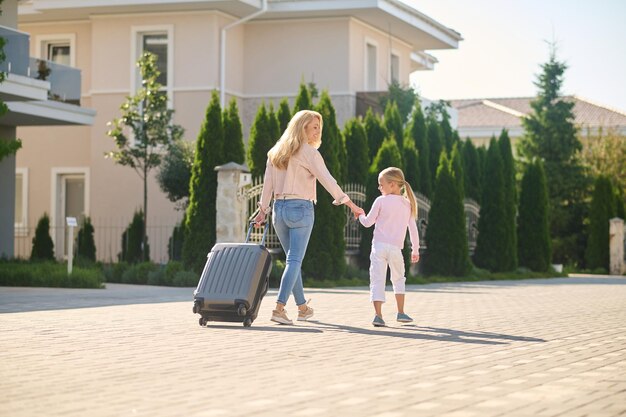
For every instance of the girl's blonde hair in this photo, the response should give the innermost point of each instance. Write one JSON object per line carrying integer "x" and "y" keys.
{"x": 393, "y": 174}
{"x": 293, "y": 137}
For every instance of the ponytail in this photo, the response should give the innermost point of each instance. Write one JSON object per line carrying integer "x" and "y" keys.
{"x": 408, "y": 193}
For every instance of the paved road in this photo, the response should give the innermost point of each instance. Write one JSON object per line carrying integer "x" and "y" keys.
{"x": 518, "y": 348}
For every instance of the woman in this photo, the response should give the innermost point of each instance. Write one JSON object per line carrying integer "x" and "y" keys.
{"x": 293, "y": 166}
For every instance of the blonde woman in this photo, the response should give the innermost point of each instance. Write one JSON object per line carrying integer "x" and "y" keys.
{"x": 293, "y": 166}
{"x": 393, "y": 212}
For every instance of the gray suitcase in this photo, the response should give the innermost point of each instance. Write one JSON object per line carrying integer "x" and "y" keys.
{"x": 234, "y": 280}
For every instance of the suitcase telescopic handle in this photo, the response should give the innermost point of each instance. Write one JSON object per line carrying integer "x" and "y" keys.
{"x": 251, "y": 225}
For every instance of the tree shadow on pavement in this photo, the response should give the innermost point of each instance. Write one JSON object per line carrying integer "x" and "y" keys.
{"x": 429, "y": 333}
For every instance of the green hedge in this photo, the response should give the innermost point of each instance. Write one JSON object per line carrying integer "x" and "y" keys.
{"x": 48, "y": 274}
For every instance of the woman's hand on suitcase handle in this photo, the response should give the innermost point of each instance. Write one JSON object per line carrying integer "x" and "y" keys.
{"x": 259, "y": 219}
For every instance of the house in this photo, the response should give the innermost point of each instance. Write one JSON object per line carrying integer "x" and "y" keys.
{"x": 37, "y": 93}
{"x": 480, "y": 119}
{"x": 253, "y": 50}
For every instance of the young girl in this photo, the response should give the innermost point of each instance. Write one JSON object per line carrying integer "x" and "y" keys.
{"x": 393, "y": 212}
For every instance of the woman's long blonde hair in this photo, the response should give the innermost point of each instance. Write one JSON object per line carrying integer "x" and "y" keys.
{"x": 293, "y": 137}
{"x": 393, "y": 174}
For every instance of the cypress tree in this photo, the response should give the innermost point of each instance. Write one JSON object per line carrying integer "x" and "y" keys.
{"x": 534, "y": 246}
{"x": 234, "y": 149}
{"x": 492, "y": 230}
{"x": 303, "y": 99}
{"x": 435, "y": 144}
{"x": 551, "y": 134}
{"x": 283, "y": 114}
{"x": 43, "y": 247}
{"x": 456, "y": 165}
{"x": 273, "y": 126}
{"x": 602, "y": 210}
{"x": 260, "y": 142}
{"x": 393, "y": 123}
{"x": 357, "y": 159}
{"x": 471, "y": 171}
{"x": 388, "y": 156}
{"x": 85, "y": 244}
{"x": 447, "y": 252}
{"x": 376, "y": 133}
{"x": 200, "y": 222}
{"x": 419, "y": 135}
{"x": 510, "y": 200}
{"x": 411, "y": 163}
{"x": 325, "y": 252}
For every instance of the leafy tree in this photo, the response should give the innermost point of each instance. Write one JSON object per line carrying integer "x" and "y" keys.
{"x": 471, "y": 171}
{"x": 325, "y": 252}
{"x": 132, "y": 241}
{"x": 260, "y": 142}
{"x": 200, "y": 222}
{"x": 534, "y": 247}
{"x": 43, "y": 247}
{"x": 303, "y": 99}
{"x": 376, "y": 133}
{"x": 604, "y": 153}
{"x": 283, "y": 114}
{"x": 7, "y": 146}
{"x": 404, "y": 96}
{"x": 175, "y": 172}
{"x": 492, "y": 229}
{"x": 550, "y": 134}
{"x": 234, "y": 149}
{"x": 357, "y": 159}
{"x": 393, "y": 123}
{"x": 85, "y": 243}
{"x": 510, "y": 200}
{"x": 419, "y": 135}
{"x": 388, "y": 156}
{"x": 602, "y": 210}
{"x": 447, "y": 252}
{"x": 145, "y": 127}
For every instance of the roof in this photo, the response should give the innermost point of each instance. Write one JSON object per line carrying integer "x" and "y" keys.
{"x": 507, "y": 113}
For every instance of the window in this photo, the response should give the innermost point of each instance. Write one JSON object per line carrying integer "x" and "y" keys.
{"x": 57, "y": 48}
{"x": 159, "y": 41}
{"x": 70, "y": 199}
{"x": 21, "y": 201}
{"x": 370, "y": 68}
{"x": 395, "y": 68}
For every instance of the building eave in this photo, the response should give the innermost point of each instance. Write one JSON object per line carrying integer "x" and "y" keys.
{"x": 22, "y": 88}
{"x": 46, "y": 113}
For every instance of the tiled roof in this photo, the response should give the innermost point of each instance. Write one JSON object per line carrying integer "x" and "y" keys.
{"x": 507, "y": 112}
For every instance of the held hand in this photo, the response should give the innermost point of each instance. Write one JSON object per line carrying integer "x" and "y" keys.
{"x": 357, "y": 211}
{"x": 415, "y": 258}
{"x": 259, "y": 219}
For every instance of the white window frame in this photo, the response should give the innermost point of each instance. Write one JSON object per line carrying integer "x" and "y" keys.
{"x": 366, "y": 72}
{"x": 42, "y": 42}
{"x": 56, "y": 174}
{"x": 21, "y": 227}
{"x": 393, "y": 53}
{"x": 136, "y": 38}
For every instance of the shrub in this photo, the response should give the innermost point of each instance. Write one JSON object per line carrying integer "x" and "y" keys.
{"x": 85, "y": 244}
{"x": 132, "y": 240}
{"x": 43, "y": 247}
{"x": 186, "y": 279}
{"x": 48, "y": 274}
{"x": 138, "y": 273}
{"x": 602, "y": 209}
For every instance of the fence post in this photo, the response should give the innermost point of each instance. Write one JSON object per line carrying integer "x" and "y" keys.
{"x": 231, "y": 210}
{"x": 616, "y": 246}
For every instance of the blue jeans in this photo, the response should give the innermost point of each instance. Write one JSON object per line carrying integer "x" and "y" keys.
{"x": 293, "y": 222}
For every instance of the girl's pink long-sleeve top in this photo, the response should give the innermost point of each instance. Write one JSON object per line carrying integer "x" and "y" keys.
{"x": 392, "y": 215}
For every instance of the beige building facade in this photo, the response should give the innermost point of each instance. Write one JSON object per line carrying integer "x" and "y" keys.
{"x": 344, "y": 47}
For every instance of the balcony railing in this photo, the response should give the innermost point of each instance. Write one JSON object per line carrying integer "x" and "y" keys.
{"x": 64, "y": 81}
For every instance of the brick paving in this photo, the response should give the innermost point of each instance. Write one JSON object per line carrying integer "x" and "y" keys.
{"x": 505, "y": 348}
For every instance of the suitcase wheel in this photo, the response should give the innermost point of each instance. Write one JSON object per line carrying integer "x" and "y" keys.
{"x": 202, "y": 321}
{"x": 247, "y": 322}
{"x": 242, "y": 310}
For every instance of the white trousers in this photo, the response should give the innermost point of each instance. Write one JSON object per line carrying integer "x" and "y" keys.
{"x": 383, "y": 255}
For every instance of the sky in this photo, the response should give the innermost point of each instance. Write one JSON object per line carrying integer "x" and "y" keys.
{"x": 506, "y": 41}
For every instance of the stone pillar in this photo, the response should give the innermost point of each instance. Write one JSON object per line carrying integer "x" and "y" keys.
{"x": 7, "y": 198}
{"x": 231, "y": 216}
{"x": 616, "y": 246}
